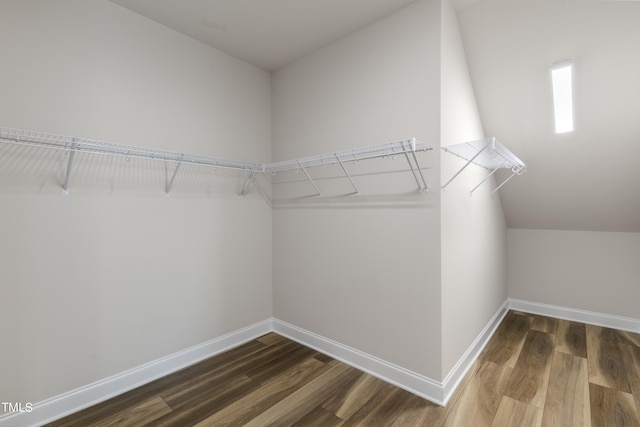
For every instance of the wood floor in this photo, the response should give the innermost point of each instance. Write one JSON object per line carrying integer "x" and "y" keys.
{"x": 535, "y": 371}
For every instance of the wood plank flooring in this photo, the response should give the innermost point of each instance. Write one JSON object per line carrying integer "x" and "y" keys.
{"x": 535, "y": 371}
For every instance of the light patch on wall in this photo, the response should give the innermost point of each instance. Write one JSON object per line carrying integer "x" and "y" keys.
{"x": 562, "y": 80}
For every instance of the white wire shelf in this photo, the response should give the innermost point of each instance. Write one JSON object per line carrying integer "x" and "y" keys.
{"x": 389, "y": 149}
{"x": 488, "y": 153}
{"x": 73, "y": 145}
{"x": 404, "y": 147}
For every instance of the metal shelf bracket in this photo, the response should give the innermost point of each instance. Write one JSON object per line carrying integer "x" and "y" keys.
{"x": 344, "y": 169}
{"x": 488, "y": 153}
{"x": 422, "y": 183}
{"x": 167, "y": 188}
{"x": 309, "y": 177}
{"x": 72, "y": 152}
{"x": 248, "y": 179}
{"x": 514, "y": 171}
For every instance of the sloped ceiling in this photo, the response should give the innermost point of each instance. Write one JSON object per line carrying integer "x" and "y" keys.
{"x": 587, "y": 179}
{"x": 584, "y": 180}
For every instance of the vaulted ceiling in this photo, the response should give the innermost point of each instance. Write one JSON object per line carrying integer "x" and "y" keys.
{"x": 584, "y": 180}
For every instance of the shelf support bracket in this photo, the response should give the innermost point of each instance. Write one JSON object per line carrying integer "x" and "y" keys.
{"x": 465, "y": 166}
{"x": 514, "y": 173}
{"x": 422, "y": 186}
{"x": 167, "y": 188}
{"x": 485, "y": 178}
{"x": 424, "y": 182}
{"x": 249, "y": 178}
{"x": 415, "y": 175}
{"x": 344, "y": 169}
{"x": 262, "y": 192}
{"x": 309, "y": 178}
{"x": 72, "y": 152}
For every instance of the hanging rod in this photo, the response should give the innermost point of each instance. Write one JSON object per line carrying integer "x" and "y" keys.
{"x": 488, "y": 153}
{"x": 73, "y": 145}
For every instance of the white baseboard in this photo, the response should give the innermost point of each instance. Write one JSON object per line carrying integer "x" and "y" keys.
{"x": 435, "y": 391}
{"x": 430, "y": 389}
{"x": 577, "y": 315}
{"x": 413, "y": 382}
{"x": 75, "y": 400}
{"x": 455, "y": 376}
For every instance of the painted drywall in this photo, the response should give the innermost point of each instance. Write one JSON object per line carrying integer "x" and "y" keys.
{"x": 586, "y": 270}
{"x": 366, "y": 275}
{"x": 511, "y": 45}
{"x": 474, "y": 283}
{"x": 115, "y": 274}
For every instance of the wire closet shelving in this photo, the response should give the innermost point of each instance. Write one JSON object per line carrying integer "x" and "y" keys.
{"x": 73, "y": 145}
{"x": 407, "y": 147}
{"x": 490, "y": 154}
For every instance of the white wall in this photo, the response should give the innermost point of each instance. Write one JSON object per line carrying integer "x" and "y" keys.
{"x": 474, "y": 281}
{"x": 115, "y": 275}
{"x": 586, "y": 270}
{"x": 364, "y": 274}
